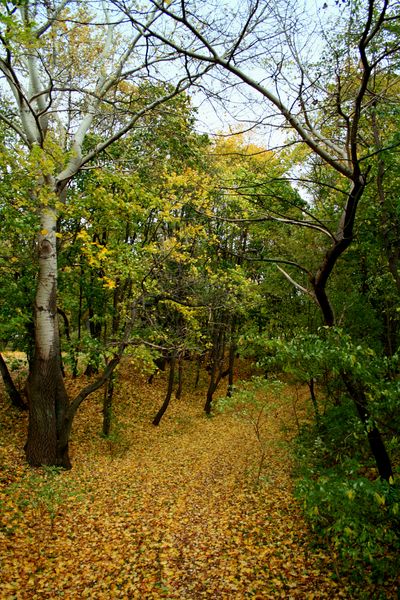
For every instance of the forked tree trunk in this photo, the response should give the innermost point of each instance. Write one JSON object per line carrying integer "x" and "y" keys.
{"x": 48, "y": 400}
{"x": 217, "y": 371}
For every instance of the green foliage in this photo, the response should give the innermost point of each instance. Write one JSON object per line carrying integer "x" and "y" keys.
{"x": 358, "y": 518}
{"x": 41, "y": 493}
{"x": 355, "y": 513}
{"x": 330, "y": 350}
{"x": 249, "y": 396}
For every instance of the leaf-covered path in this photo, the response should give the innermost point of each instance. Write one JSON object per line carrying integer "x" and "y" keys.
{"x": 168, "y": 512}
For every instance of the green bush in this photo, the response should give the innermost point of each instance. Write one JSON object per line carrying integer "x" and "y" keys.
{"x": 356, "y": 515}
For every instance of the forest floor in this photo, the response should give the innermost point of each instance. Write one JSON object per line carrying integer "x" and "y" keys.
{"x": 172, "y": 512}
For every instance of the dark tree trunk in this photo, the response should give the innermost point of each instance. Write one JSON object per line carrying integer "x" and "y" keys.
{"x": 159, "y": 415}
{"x": 161, "y": 364}
{"x": 178, "y": 393}
{"x": 343, "y": 239}
{"x": 212, "y": 385}
{"x": 232, "y": 354}
{"x": 210, "y": 394}
{"x": 95, "y": 332}
{"x": 311, "y": 386}
{"x": 107, "y": 406}
{"x": 48, "y": 403}
{"x": 199, "y": 363}
{"x": 14, "y": 395}
{"x": 376, "y": 444}
{"x": 231, "y": 359}
{"x": 74, "y": 361}
{"x": 216, "y": 373}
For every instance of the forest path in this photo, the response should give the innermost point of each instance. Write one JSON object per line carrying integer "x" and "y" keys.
{"x": 170, "y": 512}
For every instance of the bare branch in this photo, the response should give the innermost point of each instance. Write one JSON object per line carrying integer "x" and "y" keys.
{"x": 56, "y": 13}
{"x": 297, "y": 285}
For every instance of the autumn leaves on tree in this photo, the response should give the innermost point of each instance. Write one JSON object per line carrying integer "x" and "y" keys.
{"x": 150, "y": 237}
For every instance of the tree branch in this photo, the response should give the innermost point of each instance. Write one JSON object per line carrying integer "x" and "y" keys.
{"x": 297, "y": 285}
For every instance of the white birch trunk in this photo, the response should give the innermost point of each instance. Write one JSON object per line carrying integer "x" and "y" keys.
{"x": 46, "y": 323}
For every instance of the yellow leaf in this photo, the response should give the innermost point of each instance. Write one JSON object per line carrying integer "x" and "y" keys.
{"x": 380, "y": 499}
{"x": 109, "y": 283}
{"x": 44, "y": 232}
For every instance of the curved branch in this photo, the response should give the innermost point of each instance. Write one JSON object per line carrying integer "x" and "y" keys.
{"x": 214, "y": 58}
{"x": 307, "y": 224}
{"x": 297, "y": 285}
{"x": 57, "y": 11}
{"x": 92, "y": 387}
{"x": 77, "y": 162}
{"x": 12, "y": 125}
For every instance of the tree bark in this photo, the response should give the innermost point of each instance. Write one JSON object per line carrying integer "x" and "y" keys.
{"x": 48, "y": 401}
{"x": 231, "y": 359}
{"x": 14, "y": 395}
{"x": 311, "y": 387}
{"x": 165, "y": 404}
{"x": 376, "y": 443}
{"x": 47, "y": 396}
{"x": 199, "y": 363}
{"x": 178, "y": 392}
{"x": 344, "y": 238}
{"x": 217, "y": 373}
{"x": 107, "y": 406}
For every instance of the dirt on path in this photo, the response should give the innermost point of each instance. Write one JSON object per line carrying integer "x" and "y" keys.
{"x": 171, "y": 512}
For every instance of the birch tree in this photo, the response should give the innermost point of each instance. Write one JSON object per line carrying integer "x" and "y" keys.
{"x": 64, "y": 64}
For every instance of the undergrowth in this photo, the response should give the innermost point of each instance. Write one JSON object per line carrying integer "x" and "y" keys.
{"x": 350, "y": 510}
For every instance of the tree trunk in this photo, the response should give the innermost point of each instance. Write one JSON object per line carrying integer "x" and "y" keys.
{"x": 311, "y": 387}
{"x": 376, "y": 444}
{"x": 231, "y": 358}
{"x": 216, "y": 374}
{"x": 355, "y": 389}
{"x": 199, "y": 363}
{"x": 210, "y": 394}
{"x": 14, "y": 395}
{"x": 159, "y": 415}
{"x": 48, "y": 400}
{"x": 107, "y": 406}
{"x": 178, "y": 393}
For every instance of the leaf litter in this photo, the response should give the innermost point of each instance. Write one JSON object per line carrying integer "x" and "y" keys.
{"x": 170, "y": 512}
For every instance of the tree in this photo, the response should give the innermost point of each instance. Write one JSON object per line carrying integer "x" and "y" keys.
{"x": 65, "y": 81}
